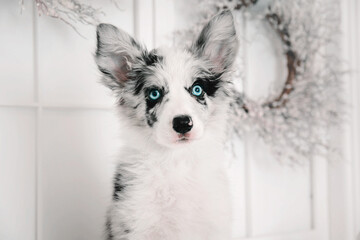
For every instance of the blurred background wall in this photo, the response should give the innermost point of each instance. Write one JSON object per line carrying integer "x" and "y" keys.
{"x": 58, "y": 131}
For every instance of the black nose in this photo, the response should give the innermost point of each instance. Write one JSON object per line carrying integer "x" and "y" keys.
{"x": 182, "y": 124}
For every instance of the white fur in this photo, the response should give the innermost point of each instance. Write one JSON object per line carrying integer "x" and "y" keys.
{"x": 179, "y": 194}
{"x": 173, "y": 190}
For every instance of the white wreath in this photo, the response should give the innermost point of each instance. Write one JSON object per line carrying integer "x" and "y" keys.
{"x": 294, "y": 121}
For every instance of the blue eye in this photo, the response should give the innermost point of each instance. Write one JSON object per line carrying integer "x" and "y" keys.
{"x": 154, "y": 94}
{"x": 197, "y": 90}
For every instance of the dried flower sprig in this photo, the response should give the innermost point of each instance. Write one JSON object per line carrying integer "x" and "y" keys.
{"x": 71, "y": 12}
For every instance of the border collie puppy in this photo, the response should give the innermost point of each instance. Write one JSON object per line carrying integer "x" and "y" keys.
{"x": 170, "y": 182}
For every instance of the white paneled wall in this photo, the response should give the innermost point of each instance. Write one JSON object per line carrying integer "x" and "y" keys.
{"x": 17, "y": 53}
{"x": 77, "y": 149}
{"x": 65, "y": 60}
{"x": 17, "y": 173}
{"x": 344, "y": 178}
{"x": 58, "y": 136}
{"x": 58, "y": 132}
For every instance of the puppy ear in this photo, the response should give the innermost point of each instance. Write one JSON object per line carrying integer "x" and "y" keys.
{"x": 217, "y": 42}
{"x": 116, "y": 52}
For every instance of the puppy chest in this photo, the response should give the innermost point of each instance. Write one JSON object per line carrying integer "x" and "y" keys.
{"x": 185, "y": 197}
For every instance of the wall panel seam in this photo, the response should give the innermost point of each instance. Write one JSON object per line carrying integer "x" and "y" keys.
{"x": 154, "y": 23}
{"x": 35, "y": 105}
{"x": 356, "y": 168}
{"x": 355, "y": 103}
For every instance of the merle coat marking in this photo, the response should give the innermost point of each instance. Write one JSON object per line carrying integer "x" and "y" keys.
{"x": 170, "y": 185}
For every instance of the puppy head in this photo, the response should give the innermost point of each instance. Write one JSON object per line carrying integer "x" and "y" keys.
{"x": 174, "y": 96}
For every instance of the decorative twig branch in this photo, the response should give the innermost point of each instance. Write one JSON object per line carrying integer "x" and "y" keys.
{"x": 291, "y": 57}
{"x": 275, "y": 22}
{"x": 244, "y": 3}
{"x": 71, "y": 12}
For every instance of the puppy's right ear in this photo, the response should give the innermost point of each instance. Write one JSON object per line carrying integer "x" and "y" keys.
{"x": 116, "y": 52}
{"x": 217, "y": 42}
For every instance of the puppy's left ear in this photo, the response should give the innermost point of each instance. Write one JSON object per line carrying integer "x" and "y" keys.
{"x": 115, "y": 55}
{"x": 217, "y": 42}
